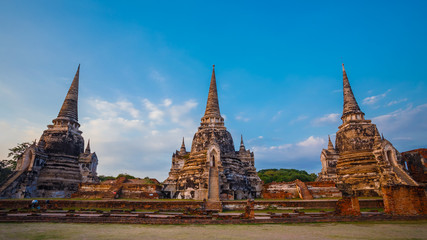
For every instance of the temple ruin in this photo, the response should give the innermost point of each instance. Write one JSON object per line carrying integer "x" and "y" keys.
{"x": 212, "y": 170}
{"x": 58, "y": 163}
{"x": 361, "y": 162}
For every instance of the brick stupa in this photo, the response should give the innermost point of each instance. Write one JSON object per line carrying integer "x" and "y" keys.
{"x": 213, "y": 170}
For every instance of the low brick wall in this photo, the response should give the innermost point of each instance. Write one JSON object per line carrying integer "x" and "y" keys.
{"x": 109, "y": 204}
{"x": 183, "y": 205}
{"x": 288, "y": 190}
{"x": 138, "y": 220}
{"x": 299, "y": 204}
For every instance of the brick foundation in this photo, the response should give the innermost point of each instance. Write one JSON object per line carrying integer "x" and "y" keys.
{"x": 348, "y": 206}
{"x": 404, "y": 200}
{"x": 183, "y": 205}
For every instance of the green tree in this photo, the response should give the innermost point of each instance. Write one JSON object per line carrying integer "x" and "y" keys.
{"x": 127, "y": 176}
{"x": 285, "y": 175}
{"x": 7, "y": 166}
{"x": 105, "y": 178}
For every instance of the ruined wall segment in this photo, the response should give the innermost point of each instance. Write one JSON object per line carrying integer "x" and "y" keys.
{"x": 213, "y": 165}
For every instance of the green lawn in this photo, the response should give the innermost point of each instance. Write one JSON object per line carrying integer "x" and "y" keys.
{"x": 364, "y": 230}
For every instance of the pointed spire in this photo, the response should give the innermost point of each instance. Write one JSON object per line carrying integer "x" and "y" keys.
{"x": 330, "y": 145}
{"x": 88, "y": 147}
{"x": 350, "y": 104}
{"x": 212, "y": 106}
{"x": 69, "y": 107}
{"x": 242, "y": 145}
{"x": 183, "y": 150}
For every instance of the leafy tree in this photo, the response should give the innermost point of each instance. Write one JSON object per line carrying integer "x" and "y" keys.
{"x": 285, "y": 175}
{"x": 127, "y": 176}
{"x": 105, "y": 178}
{"x": 8, "y": 165}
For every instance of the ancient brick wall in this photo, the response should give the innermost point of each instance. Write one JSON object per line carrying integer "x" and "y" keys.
{"x": 282, "y": 190}
{"x": 348, "y": 206}
{"x": 120, "y": 188}
{"x": 288, "y": 190}
{"x": 404, "y": 200}
{"x": 298, "y": 204}
{"x": 416, "y": 164}
{"x": 183, "y": 205}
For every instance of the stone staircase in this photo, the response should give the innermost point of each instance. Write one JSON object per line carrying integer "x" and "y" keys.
{"x": 303, "y": 191}
{"x": 404, "y": 177}
{"x": 15, "y": 175}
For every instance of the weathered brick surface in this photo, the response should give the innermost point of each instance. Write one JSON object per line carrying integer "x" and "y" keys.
{"x": 362, "y": 160}
{"x": 205, "y": 219}
{"x": 213, "y": 168}
{"x": 404, "y": 200}
{"x": 348, "y": 206}
{"x": 182, "y": 205}
{"x": 416, "y": 162}
{"x": 288, "y": 190}
{"x": 120, "y": 188}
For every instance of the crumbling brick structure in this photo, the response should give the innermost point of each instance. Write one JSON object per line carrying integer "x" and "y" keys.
{"x": 348, "y": 206}
{"x": 404, "y": 200}
{"x": 213, "y": 170}
{"x": 416, "y": 164}
{"x": 362, "y": 161}
{"x": 289, "y": 190}
{"x": 57, "y": 164}
{"x": 121, "y": 188}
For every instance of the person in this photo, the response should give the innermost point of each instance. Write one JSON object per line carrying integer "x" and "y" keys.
{"x": 34, "y": 204}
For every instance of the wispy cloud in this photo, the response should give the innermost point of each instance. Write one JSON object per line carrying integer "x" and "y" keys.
{"x": 301, "y": 155}
{"x": 298, "y": 119}
{"x": 397, "y": 102}
{"x": 406, "y": 125}
{"x": 241, "y": 117}
{"x": 277, "y": 115}
{"x": 157, "y": 76}
{"x": 327, "y": 119}
{"x": 138, "y": 140}
{"x": 374, "y": 99}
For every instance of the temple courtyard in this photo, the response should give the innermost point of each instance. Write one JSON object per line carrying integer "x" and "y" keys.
{"x": 354, "y": 230}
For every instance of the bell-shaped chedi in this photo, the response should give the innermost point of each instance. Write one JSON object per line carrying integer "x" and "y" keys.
{"x": 56, "y": 165}
{"x": 361, "y": 161}
{"x": 213, "y": 169}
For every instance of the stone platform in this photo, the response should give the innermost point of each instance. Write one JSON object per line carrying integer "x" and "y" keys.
{"x": 132, "y": 217}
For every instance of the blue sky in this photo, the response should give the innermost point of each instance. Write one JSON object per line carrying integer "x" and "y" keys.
{"x": 146, "y": 66}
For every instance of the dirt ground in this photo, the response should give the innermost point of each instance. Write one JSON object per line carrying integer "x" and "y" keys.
{"x": 377, "y": 230}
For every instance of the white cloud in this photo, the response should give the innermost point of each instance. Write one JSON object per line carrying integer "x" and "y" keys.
{"x": 402, "y": 123}
{"x": 374, "y": 99}
{"x": 113, "y": 109}
{"x": 311, "y": 142}
{"x": 301, "y": 155}
{"x": 298, "y": 119}
{"x": 397, "y": 101}
{"x": 167, "y": 102}
{"x": 138, "y": 141}
{"x": 157, "y": 76}
{"x": 17, "y": 131}
{"x": 241, "y": 117}
{"x": 277, "y": 115}
{"x": 327, "y": 118}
